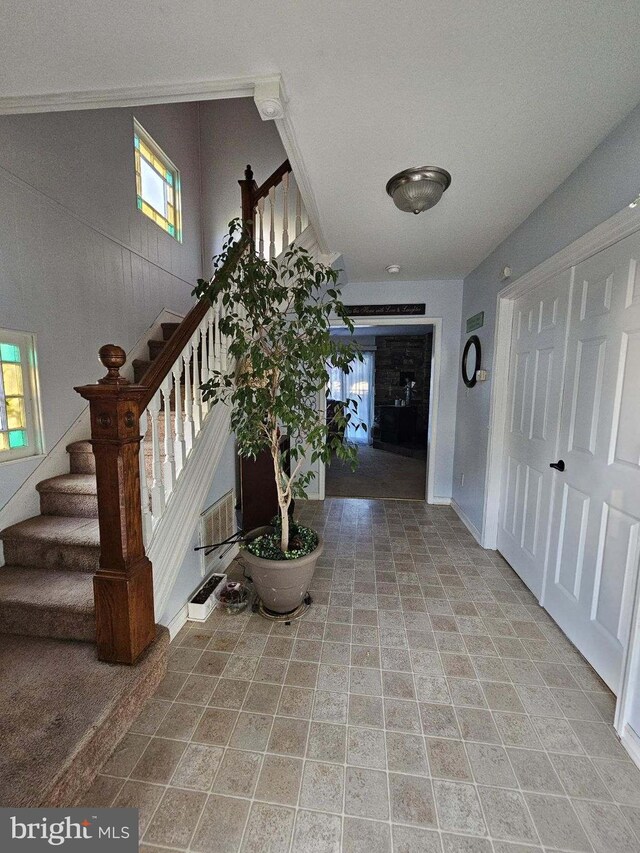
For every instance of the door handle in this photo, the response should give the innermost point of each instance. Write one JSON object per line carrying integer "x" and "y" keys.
{"x": 559, "y": 465}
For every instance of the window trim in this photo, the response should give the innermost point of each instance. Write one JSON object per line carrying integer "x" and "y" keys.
{"x": 153, "y": 146}
{"x": 27, "y": 343}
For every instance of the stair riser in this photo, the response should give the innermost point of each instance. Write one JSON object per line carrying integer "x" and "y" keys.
{"x": 59, "y": 503}
{"x": 82, "y": 463}
{"x": 168, "y": 329}
{"x": 40, "y": 622}
{"x": 43, "y": 555}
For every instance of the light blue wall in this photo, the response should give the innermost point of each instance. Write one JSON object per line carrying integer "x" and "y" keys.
{"x": 602, "y": 185}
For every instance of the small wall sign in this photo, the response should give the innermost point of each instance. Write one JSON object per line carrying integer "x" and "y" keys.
{"x": 399, "y": 310}
{"x": 475, "y": 322}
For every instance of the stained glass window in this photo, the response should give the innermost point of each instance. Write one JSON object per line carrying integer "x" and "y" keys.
{"x": 157, "y": 183}
{"x": 13, "y": 417}
{"x": 20, "y": 423}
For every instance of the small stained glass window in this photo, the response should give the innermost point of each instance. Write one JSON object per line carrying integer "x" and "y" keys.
{"x": 19, "y": 422}
{"x": 157, "y": 183}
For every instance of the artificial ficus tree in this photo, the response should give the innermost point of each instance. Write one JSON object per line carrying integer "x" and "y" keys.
{"x": 277, "y": 319}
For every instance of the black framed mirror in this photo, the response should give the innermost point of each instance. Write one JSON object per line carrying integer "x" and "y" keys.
{"x": 471, "y": 357}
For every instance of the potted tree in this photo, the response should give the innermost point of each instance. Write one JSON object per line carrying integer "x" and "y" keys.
{"x": 277, "y": 324}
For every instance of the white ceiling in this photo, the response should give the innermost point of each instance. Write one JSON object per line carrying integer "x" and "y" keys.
{"x": 508, "y": 95}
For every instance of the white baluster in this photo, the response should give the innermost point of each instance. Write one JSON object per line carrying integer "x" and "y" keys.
{"x": 285, "y": 210}
{"x": 298, "y": 212}
{"x": 261, "y": 228}
{"x": 197, "y": 396}
{"x": 188, "y": 402}
{"x": 211, "y": 347}
{"x": 147, "y": 521}
{"x": 179, "y": 450}
{"x": 272, "y": 228}
{"x": 169, "y": 467}
{"x": 224, "y": 363}
{"x": 157, "y": 486}
{"x": 217, "y": 364}
{"x": 204, "y": 364}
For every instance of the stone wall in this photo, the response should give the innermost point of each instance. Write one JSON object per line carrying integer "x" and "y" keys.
{"x": 400, "y": 354}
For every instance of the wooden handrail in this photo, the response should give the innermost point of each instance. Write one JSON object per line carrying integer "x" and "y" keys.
{"x": 161, "y": 366}
{"x": 252, "y": 193}
{"x": 272, "y": 181}
{"x": 123, "y": 583}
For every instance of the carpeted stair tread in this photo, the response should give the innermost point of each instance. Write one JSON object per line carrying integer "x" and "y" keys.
{"x": 155, "y": 348}
{"x": 80, "y": 447}
{"x": 63, "y": 712}
{"x": 70, "y": 484}
{"x": 81, "y": 458}
{"x": 47, "y": 603}
{"x": 45, "y": 588}
{"x": 140, "y": 367}
{"x": 63, "y": 530}
{"x": 168, "y": 329}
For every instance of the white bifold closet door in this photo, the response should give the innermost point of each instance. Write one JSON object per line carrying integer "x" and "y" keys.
{"x": 572, "y": 532}
{"x": 531, "y": 431}
{"x": 594, "y": 544}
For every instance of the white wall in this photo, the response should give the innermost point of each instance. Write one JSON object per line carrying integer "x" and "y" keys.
{"x": 443, "y": 299}
{"x": 602, "y": 185}
{"x": 79, "y": 265}
{"x": 189, "y": 577}
{"x": 232, "y": 136}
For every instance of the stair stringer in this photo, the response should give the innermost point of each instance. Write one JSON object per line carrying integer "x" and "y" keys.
{"x": 174, "y": 531}
{"x": 308, "y": 240}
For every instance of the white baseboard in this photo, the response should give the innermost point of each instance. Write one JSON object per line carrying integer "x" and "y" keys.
{"x": 631, "y": 742}
{"x": 473, "y": 530}
{"x": 180, "y": 619}
{"x": 439, "y": 500}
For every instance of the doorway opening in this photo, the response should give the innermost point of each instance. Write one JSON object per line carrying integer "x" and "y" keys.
{"x": 393, "y": 388}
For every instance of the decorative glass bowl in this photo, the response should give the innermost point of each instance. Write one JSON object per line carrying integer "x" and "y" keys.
{"x": 234, "y": 597}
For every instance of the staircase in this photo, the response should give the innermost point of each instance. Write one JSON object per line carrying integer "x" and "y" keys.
{"x": 46, "y": 584}
{"x": 83, "y": 581}
{"x": 140, "y": 366}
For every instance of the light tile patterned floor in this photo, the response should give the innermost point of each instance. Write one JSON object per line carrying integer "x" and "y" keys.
{"x": 426, "y": 704}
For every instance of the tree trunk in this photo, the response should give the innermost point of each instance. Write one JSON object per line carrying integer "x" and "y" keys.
{"x": 284, "y": 518}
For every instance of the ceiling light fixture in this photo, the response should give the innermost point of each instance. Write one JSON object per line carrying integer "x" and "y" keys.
{"x": 393, "y": 269}
{"x": 418, "y": 189}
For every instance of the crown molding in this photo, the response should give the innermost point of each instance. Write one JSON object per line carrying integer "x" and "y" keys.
{"x": 267, "y": 91}
{"x": 287, "y": 133}
{"x": 270, "y": 99}
{"x": 133, "y": 96}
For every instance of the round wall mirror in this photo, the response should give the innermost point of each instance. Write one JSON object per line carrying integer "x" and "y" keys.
{"x": 471, "y": 361}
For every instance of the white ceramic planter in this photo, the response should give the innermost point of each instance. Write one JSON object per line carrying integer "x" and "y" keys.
{"x": 200, "y": 612}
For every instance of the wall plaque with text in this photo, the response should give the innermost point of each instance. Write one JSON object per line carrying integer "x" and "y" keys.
{"x": 402, "y": 309}
{"x": 475, "y": 322}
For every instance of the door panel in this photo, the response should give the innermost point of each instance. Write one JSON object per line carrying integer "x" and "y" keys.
{"x": 594, "y": 546}
{"x": 537, "y": 347}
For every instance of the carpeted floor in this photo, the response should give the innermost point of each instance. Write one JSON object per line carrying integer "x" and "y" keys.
{"x": 62, "y": 713}
{"x": 379, "y": 474}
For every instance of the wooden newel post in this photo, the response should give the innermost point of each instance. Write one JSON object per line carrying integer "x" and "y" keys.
{"x": 248, "y": 187}
{"x": 123, "y": 584}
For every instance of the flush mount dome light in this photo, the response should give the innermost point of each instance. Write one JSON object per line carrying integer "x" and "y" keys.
{"x": 418, "y": 189}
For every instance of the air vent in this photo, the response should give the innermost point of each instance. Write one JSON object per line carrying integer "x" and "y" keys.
{"x": 217, "y": 523}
